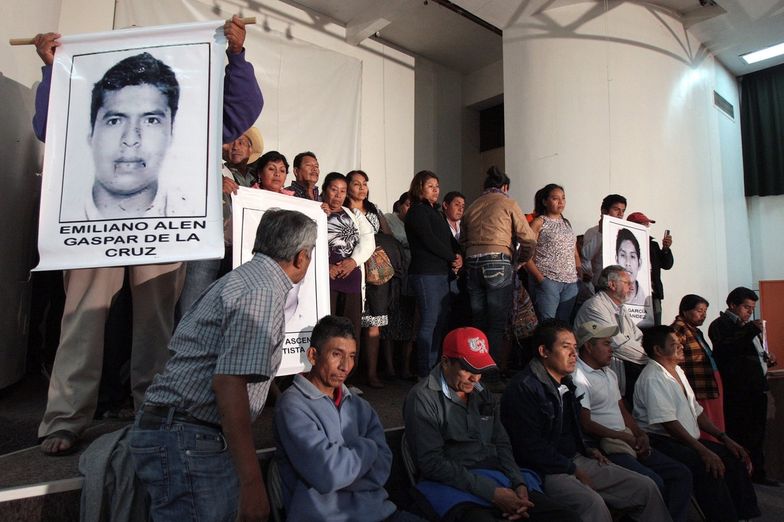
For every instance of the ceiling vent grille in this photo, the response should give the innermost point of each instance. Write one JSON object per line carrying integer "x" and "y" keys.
{"x": 723, "y": 105}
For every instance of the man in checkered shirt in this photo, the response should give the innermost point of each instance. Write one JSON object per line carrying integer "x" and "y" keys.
{"x": 225, "y": 350}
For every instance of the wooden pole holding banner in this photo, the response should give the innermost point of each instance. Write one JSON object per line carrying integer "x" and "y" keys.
{"x": 248, "y": 20}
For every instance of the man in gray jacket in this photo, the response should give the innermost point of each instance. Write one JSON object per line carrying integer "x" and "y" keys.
{"x": 460, "y": 448}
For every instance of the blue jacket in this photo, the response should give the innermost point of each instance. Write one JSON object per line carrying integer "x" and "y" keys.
{"x": 532, "y": 413}
{"x": 334, "y": 461}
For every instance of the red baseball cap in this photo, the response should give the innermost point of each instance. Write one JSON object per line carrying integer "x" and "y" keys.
{"x": 639, "y": 217}
{"x": 471, "y": 348}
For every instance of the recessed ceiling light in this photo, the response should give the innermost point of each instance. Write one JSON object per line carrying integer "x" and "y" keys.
{"x": 763, "y": 54}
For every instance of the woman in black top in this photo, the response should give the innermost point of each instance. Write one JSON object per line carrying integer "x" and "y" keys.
{"x": 435, "y": 258}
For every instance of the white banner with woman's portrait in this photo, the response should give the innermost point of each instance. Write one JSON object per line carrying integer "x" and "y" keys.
{"x": 626, "y": 244}
{"x": 133, "y": 140}
{"x": 308, "y": 301}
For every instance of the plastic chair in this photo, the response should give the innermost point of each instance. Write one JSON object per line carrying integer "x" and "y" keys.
{"x": 275, "y": 492}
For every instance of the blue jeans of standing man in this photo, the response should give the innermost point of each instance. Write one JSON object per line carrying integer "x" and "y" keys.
{"x": 673, "y": 479}
{"x": 433, "y": 298}
{"x": 490, "y": 291}
{"x": 553, "y": 299}
{"x": 186, "y": 468}
{"x": 199, "y": 275}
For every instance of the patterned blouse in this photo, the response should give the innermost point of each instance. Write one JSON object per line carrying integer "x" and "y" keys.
{"x": 699, "y": 365}
{"x": 555, "y": 250}
{"x": 342, "y": 234}
{"x": 374, "y": 221}
{"x": 343, "y": 237}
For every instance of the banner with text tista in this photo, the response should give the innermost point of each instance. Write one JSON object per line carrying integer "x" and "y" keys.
{"x": 133, "y": 141}
{"x": 308, "y": 300}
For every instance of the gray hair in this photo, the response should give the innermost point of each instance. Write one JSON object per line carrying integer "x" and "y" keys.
{"x": 610, "y": 273}
{"x": 283, "y": 233}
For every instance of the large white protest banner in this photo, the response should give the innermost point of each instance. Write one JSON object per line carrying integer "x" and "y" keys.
{"x": 308, "y": 301}
{"x": 625, "y": 243}
{"x": 133, "y": 141}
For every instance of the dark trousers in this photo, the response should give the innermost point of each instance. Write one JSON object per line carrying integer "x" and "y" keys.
{"x": 490, "y": 291}
{"x": 745, "y": 416}
{"x": 672, "y": 478}
{"x": 544, "y": 509}
{"x": 433, "y": 299}
{"x": 632, "y": 372}
{"x": 348, "y": 306}
{"x": 721, "y": 499}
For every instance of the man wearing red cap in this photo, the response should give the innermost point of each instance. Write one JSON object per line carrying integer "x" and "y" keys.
{"x": 661, "y": 259}
{"x": 461, "y": 451}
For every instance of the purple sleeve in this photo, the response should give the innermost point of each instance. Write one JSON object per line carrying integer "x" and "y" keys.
{"x": 42, "y": 103}
{"x": 242, "y": 100}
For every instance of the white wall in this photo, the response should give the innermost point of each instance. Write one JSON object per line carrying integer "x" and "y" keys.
{"x": 766, "y": 221}
{"x": 447, "y": 122}
{"x": 483, "y": 84}
{"x": 439, "y": 104}
{"x": 621, "y": 101}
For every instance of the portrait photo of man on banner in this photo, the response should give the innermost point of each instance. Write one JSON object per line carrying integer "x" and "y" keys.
{"x": 626, "y": 244}
{"x": 132, "y": 150}
{"x": 308, "y": 300}
{"x": 132, "y": 114}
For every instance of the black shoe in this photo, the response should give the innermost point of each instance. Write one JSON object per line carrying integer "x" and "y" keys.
{"x": 763, "y": 481}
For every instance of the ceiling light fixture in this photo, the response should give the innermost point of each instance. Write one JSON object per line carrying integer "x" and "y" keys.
{"x": 763, "y": 54}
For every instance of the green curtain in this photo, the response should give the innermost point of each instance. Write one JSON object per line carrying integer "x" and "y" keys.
{"x": 762, "y": 131}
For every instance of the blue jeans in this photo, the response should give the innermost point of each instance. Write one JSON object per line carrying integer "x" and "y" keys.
{"x": 187, "y": 470}
{"x": 432, "y": 296}
{"x": 490, "y": 291}
{"x": 672, "y": 478}
{"x": 553, "y": 299}
{"x": 199, "y": 275}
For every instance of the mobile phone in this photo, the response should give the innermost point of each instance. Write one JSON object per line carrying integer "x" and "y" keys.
{"x": 667, "y": 232}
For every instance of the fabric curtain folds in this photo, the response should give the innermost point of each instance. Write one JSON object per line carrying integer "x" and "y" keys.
{"x": 762, "y": 131}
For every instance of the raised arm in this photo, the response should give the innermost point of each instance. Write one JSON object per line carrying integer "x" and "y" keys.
{"x": 242, "y": 99}
{"x": 45, "y": 46}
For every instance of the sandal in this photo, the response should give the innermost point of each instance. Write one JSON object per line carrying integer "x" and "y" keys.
{"x": 68, "y": 436}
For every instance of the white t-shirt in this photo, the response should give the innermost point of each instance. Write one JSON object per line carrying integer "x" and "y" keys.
{"x": 600, "y": 394}
{"x": 659, "y": 398}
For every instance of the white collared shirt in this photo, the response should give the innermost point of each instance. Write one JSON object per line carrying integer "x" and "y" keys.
{"x": 600, "y": 394}
{"x": 659, "y": 398}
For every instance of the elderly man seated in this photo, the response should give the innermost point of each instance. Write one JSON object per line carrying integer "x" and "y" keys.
{"x": 334, "y": 459}
{"x": 665, "y": 407}
{"x": 605, "y": 418}
{"x": 539, "y": 410}
{"x": 613, "y": 288}
{"x": 459, "y": 446}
